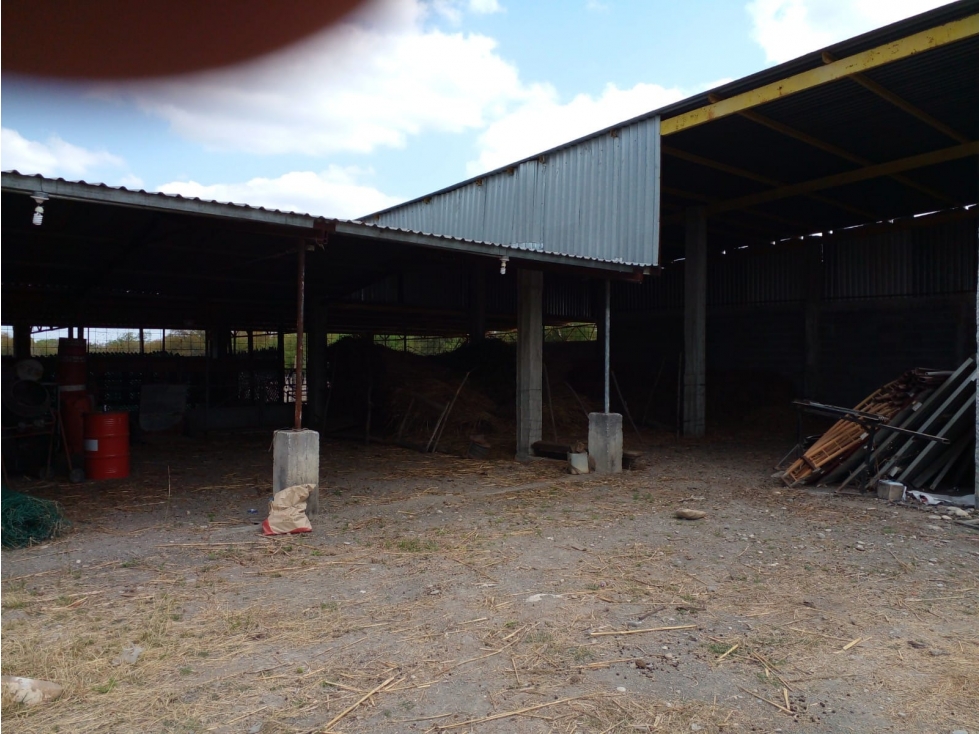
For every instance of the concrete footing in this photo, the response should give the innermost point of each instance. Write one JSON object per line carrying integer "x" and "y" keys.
{"x": 296, "y": 460}
{"x": 605, "y": 442}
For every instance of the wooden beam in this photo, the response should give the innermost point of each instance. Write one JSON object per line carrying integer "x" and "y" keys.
{"x": 862, "y": 174}
{"x": 734, "y": 171}
{"x": 903, "y": 48}
{"x": 835, "y": 150}
{"x": 900, "y": 102}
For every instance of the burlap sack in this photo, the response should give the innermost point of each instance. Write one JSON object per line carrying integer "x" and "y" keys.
{"x": 287, "y": 511}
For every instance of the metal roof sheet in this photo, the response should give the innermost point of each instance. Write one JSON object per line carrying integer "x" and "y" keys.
{"x": 122, "y": 196}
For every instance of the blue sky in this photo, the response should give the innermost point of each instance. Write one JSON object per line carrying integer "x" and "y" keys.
{"x": 408, "y": 96}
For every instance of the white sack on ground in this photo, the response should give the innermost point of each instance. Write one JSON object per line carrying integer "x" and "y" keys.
{"x": 287, "y": 511}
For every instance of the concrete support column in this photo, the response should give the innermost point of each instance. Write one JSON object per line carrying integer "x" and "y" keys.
{"x": 316, "y": 365}
{"x": 695, "y": 323}
{"x": 477, "y": 305}
{"x": 530, "y": 356}
{"x": 22, "y": 341}
{"x": 814, "y": 295}
{"x": 296, "y": 460}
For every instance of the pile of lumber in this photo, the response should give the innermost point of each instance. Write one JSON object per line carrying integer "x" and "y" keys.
{"x": 935, "y": 402}
{"x": 948, "y": 411}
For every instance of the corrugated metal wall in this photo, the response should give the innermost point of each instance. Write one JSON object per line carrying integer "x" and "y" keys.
{"x": 595, "y": 199}
{"x": 888, "y": 302}
{"x": 921, "y": 261}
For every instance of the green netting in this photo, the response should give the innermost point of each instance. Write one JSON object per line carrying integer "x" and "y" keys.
{"x": 25, "y": 520}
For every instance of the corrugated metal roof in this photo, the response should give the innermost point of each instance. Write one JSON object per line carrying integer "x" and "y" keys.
{"x": 122, "y": 196}
{"x": 840, "y": 113}
{"x": 597, "y": 200}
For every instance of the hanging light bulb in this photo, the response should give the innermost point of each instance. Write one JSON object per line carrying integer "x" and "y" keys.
{"x": 39, "y": 198}
{"x": 503, "y": 261}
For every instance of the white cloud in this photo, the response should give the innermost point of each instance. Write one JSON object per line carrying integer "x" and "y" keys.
{"x": 369, "y": 82}
{"x": 485, "y": 7}
{"x": 544, "y": 122}
{"x": 786, "y": 29}
{"x": 54, "y": 157}
{"x": 335, "y": 192}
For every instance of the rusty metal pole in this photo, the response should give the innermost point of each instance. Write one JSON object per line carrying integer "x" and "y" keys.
{"x": 300, "y": 307}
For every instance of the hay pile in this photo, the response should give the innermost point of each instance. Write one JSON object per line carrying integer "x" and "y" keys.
{"x": 408, "y": 393}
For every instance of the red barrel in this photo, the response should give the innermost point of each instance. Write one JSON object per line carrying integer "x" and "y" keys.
{"x": 74, "y": 405}
{"x": 72, "y": 370}
{"x": 107, "y": 445}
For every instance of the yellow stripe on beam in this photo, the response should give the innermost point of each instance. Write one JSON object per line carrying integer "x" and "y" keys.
{"x": 924, "y": 41}
{"x": 841, "y": 179}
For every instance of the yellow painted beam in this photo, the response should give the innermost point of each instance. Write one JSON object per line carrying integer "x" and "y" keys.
{"x": 734, "y": 171}
{"x": 902, "y": 103}
{"x": 861, "y": 174}
{"x": 917, "y": 43}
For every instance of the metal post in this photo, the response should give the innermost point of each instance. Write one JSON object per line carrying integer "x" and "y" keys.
{"x": 608, "y": 320}
{"x": 300, "y": 306}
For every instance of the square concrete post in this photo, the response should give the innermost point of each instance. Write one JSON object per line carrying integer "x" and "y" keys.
{"x": 695, "y": 323}
{"x": 22, "y": 341}
{"x": 477, "y": 305}
{"x": 605, "y": 442}
{"x": 530, "y": 357}
{"x": 296, "y": 460}
{"x": 315, "y": 364}
{"x": 814, "y": 295}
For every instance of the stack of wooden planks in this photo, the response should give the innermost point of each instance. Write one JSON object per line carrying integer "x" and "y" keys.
{"x": 841, "y": 445}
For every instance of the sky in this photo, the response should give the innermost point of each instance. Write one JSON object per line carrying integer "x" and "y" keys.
{"x": 405, "y": 97}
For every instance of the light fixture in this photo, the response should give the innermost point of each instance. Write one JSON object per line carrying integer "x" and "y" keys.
{"x": 39, "y": 198}
{"x": 503, "y": 261}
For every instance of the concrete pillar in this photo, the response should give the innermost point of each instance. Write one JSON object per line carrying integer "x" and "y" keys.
{"x": 477, "y": 305}
{"x": 22, "y": 341}
{"x": 597, "y": 298}
{"x": 605, "y": 442}
{"x": 316, "y": 365}
{"x": 530, "y": 356}
{"x": 695, "y": 323}
{"x": 296, "y": 460}
{"x": 814, "y": 295}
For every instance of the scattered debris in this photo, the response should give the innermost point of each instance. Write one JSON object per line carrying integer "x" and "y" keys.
{"x": 130, "y": 654}
{"x": 968, "y": 500}
{"x": 534, "y": 598}
{"x": 935, "y": 405}
{"x": 30, "y": 691}
{"x": 687, "y": 514}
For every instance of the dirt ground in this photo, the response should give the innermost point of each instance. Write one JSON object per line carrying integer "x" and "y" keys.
{"x": 440, "y": 594}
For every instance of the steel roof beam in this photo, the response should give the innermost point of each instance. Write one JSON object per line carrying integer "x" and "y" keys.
{"x": 835, "y": 150}
{"x": 900, "y": 102}
{"x": 732, "y": 170}
{"x": 703, "y": 198}
{"x": 872, "y": 58}
{"x": 841, "y": 179}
